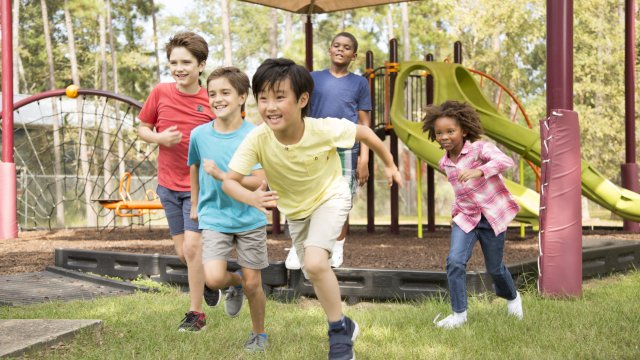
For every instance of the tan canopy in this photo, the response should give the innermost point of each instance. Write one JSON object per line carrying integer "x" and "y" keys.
{"x": 320, "y": 6}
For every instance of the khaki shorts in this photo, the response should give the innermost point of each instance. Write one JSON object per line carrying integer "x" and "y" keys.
{"x": 251, "y": 247}
{"x": 323, "y": 227}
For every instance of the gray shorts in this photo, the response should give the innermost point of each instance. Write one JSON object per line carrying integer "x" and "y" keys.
{"x": 251, "y": 247}
{"x": 177, "y": 207}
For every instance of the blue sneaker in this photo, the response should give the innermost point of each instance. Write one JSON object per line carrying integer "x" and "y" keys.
{"x": 341, "y": 341}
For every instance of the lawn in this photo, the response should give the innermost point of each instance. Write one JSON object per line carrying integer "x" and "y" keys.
{"x": 602, "y": 324}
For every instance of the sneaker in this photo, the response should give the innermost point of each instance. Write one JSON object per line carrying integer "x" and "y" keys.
{"x": 341, "y": 341}
{"x": 514, "y": 307}
{"x": 292, "y": 262}
{"x": 212, "y": 296}
{"x": 233, "y": 301}
{"x": 193, "y": 321}
{"x": 452, "y": 321}
{"x": 256, "y": 343}
{"x": 336, "y": 254}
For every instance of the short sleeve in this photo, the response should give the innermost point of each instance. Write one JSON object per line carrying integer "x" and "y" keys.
{"x": 149, "y": 112}
{"x": 193, "y": 155}
{"x": 342, "y": 131}
{"x": 245, "y": 158}
{"x": 364, "y": 96}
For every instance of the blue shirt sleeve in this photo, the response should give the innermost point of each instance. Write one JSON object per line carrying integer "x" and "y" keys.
{"x": 193, "y": 155}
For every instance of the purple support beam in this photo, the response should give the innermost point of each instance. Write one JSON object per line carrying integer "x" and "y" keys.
{"x": 308, "y": 43}
{"x": 8, "y": 209}
{"x": 630, "y": 168}
{"x": 393, "y": 143}
{"x": 559, "y": 55}
{"x": 431, "y": 181}
{"x": 371, "y": 194}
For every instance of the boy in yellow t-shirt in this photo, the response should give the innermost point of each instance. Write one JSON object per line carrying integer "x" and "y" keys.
{"x": 301, "y": 163}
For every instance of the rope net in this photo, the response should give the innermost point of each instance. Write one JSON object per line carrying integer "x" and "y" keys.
{"x": 69, "y": 153}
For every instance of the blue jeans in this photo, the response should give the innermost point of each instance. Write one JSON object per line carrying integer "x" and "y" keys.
{"x": 460, "y": 253}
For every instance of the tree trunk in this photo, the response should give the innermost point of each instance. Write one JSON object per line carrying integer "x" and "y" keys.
{"x": 155, "y": 39}
{"x": 83, "y": 159}
{"x": 288, "y": 28}
{"x": 390, "y": 22}
{"x": 107, "y": 181}
{"x": 57, "y": 165}
{"x": 273, "y": 34}
{"x": 226, "y": 32}
{"x": 406, "y": 39}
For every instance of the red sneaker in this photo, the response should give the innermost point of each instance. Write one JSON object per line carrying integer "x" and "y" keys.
{"x": 193, "y": 321}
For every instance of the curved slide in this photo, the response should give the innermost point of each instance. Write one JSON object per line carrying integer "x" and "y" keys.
{"x": 454, "y": 82}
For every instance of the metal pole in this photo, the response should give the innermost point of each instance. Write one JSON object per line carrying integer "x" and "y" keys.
{"x": 431, "y": 191}
{"x": 630, "y": 169}
{"x": 393, "y": 142}
{"x": 8, "y": 204}
{"x": 308, "y": 36}
{"x": 371, "y": 194}
{"x": 559, "y": 55}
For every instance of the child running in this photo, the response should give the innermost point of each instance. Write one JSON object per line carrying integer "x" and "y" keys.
{"x": 339, "y": 93}
{"x": 226, "y": 223}
{"x": 301, "y": 163}
{"x": 171, "y": 111}
{"x": 483, "y": 206}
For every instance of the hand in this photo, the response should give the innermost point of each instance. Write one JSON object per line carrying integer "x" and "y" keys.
{"x": 193, "y": 214}
{"x": 264, "y": 200}
{"x": 393, "y": 174}
{"x": 170, "y": 136}
{"x": 362, "y": 172}
{"x": 212, "y": 169}
{"x": 469, "y": 174}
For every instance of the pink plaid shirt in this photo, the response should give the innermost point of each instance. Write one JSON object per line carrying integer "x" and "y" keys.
{"x": 486, "y": 195}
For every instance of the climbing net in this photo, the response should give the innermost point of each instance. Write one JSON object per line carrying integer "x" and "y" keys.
{"x": 69, "y": 153}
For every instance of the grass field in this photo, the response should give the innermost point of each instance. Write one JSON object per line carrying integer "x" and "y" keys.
{"x": 602, "y": 324}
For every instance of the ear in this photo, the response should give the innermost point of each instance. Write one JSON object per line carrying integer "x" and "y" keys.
{"x": 303, "y": 100}
{"x": 201, "y": 67}
{"x": 243, "y": 98}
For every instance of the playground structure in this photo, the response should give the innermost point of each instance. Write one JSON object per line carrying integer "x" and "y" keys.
{"x": 126, "y": 206}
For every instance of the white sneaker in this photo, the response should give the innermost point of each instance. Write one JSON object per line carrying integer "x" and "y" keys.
{"x": 337, "y": 254}
{"x": 292, "y": 262}
{"x": 514, "y": 307}
{"x": 452, "y": 321}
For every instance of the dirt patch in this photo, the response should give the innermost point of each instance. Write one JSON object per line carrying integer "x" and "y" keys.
{"x": 33, "y": 250}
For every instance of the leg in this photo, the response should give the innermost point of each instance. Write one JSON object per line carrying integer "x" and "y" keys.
{"x": 173, "y": 208}
{"x": 252, "y": 285}
{"x": 193, "y": 256}
{"x": 460, "y": 252}
{"x": 178, "y": 244}
{"x": 217, "y": 276}
{"x": 325, "y": 283}
{"x": 493, "y": 250}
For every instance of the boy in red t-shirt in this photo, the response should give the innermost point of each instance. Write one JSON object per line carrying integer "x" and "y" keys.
{"x": 171, "y": 111}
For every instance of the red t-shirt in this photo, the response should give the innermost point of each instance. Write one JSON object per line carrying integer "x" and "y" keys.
{"x": 165, "y": 107}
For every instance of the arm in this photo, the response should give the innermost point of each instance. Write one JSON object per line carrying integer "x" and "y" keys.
{"x": 169, "y": 137}
{"x": 195, "y": 188}
{"x": 495, "y": 162}
{"x": 251, "y": 182}
{"x": 260, "y": 198}
{"x": 366, "y": 136}
{"x": 362, "y": 171}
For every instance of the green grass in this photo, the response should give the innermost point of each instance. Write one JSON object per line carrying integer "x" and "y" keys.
{"x": 602, "y": 324}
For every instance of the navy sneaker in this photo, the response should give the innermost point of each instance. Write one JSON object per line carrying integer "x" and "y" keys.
{"x": 341, "y": 341}
{"x": 212, "y": 296}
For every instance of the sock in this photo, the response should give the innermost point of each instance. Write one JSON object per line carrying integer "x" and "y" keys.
{"x": 263, "y": 335}
{"x": 337, "y": 325}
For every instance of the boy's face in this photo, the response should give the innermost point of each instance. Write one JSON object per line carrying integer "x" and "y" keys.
{"x": 224, "y": 100}
{"x": 185, "y": 69}
{"x": 449, "y": 134}
{"x": 279, "y": 107}
{"x": 341, "y": 51}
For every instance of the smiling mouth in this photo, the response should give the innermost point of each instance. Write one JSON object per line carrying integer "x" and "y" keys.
{"x": 220, "y": 107}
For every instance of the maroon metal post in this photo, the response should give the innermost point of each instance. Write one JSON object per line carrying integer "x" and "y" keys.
{"x": 8, "y": 205}
{"x": 308, "y": 43}
{"x": 371, "y": 194}
{"x": 559, "y": 55}
{"x": 457, "y": 52}
{"x": 629, "y": 170}
{"x": 431, "y": 191}
{"x": 393, "y": 142}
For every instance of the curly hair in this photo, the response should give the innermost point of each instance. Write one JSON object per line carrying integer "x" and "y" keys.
{"x": 466, "y": 116}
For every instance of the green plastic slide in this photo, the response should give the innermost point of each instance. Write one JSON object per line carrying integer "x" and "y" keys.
{"x": 454, "y": 82}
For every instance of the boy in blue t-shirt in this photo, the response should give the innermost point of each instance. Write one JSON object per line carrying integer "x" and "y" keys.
{"x": 225, "y": 222}
{"x": 339, "y": 93}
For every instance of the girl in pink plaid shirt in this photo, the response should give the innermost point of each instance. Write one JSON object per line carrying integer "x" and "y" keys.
{"x": 482, "y": 208}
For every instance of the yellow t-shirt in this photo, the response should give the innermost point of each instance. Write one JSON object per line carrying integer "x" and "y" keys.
{"x": 305, "y": 174}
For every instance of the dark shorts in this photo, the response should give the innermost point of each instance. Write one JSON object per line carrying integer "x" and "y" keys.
{"x": 177, "y": 207}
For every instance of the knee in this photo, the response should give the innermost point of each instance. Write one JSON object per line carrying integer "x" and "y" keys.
{"x": 315, "y": 267}
{"x": 192, "y": 249}
{"x": 252, "y": 287}
{"x": 215, "y": 281}
{"x": 456, "y": 263}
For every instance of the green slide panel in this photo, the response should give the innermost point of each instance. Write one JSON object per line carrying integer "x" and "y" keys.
{"x": 411, "y": 134}
{"x": 454, "y": 82}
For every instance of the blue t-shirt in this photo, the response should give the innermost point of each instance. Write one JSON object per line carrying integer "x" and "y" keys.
{"x": 216, "y": 210}
{"x": 340, "y": 98}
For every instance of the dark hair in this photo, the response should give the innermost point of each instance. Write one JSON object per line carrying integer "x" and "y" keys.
{"x": 350, "y": 36}
{"x": 238, "y": 79}
{"x": 272, "y": 72}
{"x": 191, "y": 41}
{"x": 466, "y": 116}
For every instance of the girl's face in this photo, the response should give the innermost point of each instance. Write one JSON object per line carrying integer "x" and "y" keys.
{"x": 185, "y": 69}
{"x": 341, "y": 51}
{"x": 224, "y": 100}
{"x": 449, "y": 134}
{"x": 279, "y": 107}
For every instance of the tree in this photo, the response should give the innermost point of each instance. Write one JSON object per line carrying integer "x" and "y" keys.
{"x": 226, "y": 33}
